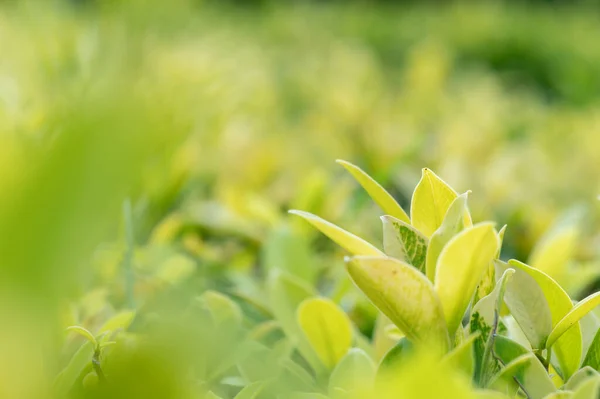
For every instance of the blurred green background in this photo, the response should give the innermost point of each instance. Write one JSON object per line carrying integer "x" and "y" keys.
{"x": 149, "y": 151}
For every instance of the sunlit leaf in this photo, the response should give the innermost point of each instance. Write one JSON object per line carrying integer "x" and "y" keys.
{"x": 453, "y": 223}
{"x": 460, "y": 267}
{"x": 573, "y": 317}
{"x": 385, "y": 201}
{"x": 353, "y": 244}
{"x": 430, "y": 202}
{"x": 327, "y": 328}
{"x": 403, "y": 294}
{"x": 404, "y": 242}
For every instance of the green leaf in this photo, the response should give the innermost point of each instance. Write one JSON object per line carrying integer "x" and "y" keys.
{"x": 573, "y": 317}
{"x": 560, "y": 395}
{"x": 528, "y": 305}
{"x": 430, "y": 202}
{"x": 396, "y": 355}
{"x": 351, "y": 243}
{"x": 385, "y": 201}
{"x": 592, "y": 358}
{"x": 523, "y": 366}
{"x": 84, "y": 333}
{"x": 404, "y": 242}
{"x": 403, "y": 294}
{"x": 327, "y": 328}
{"x": 588, "y": 390}
{"x": 462, "y": 357}
{"x": 460, "y": 267}
{"x": 250, "y": 391}
{"x": 569, "y": 346}
{"x": 582, "y": 375}
{"x": 530, "y": 374}
{"x": 484, "y": 321}
{"x": 79, "y": 361}
{"x": 223, "y": 310}
{"x": 285, "y": 295}
{"x": 488, "y": 280}
{"x": 289, "y": 251}
{"x": 453, "y": 223}
{"x": 354, "y": 374}
{"x": 120, "y": 321}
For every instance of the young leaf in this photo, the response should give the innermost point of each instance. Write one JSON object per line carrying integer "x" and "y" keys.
{"x": 354, "y": 374}
{"x": 569, "y": 346}
{"x": 84, "y": 333}
{"x": 223, "y": 310}
{"x": 430, "y": 202}
{"x": 351, "y": 243}
{"x": 488, "y": 280}
{"x": 403, "y": 294}
{"x": 528, "y": 305}
{"x": 576, "y": 314}
{"x": 327, "y": 328}
{"x": 453, "y": 223}
{"x": 385, "y": 201}
{"x": 459, "y": 268}
{"x": 120, "y": 321}
{"x": 404, "y": 242}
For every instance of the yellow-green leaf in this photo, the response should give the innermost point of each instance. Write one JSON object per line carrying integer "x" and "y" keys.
{"x": 404, "y": 242}
{"x": 462, "y": 357}
{"x": 554, "y": 251}
{"x": 327, "y": 328}
{"x": 430, "y": 202}
{"x": 580, "y": 310}
{"x": 250, "y": 391}
{"x": 403, "y": 294}
{"x": 350, "y": 242}
{"x": 528, "y": 305}
{"x": 120, "y": 321}
{"x": 385, "y": 201}
{"x": 592, "y": 358}
{"x": 588, "y": 390}
{"x": 354, "y": 374}
{"x": 84, "y": 333}
{"x": 460, "y": 267}
{"x": 568, "y": 347}
{"x": 453, "y": 223}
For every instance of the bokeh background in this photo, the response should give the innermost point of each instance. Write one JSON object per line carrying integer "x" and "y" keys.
{"x": 149, "y": 151}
